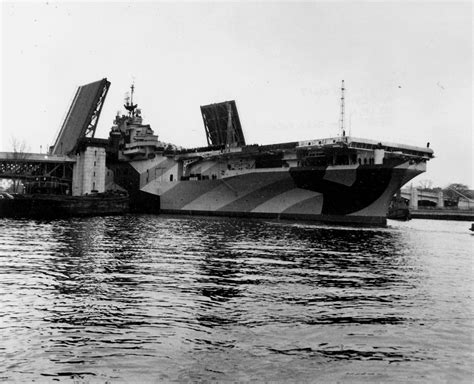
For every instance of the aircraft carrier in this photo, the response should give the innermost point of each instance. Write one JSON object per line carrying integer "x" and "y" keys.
{"x": 339, "y": 179}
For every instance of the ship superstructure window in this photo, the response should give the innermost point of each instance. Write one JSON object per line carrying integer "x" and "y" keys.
{"x": 171, "y": 177}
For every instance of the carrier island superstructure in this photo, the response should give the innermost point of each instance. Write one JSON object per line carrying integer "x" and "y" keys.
{"x": 340, "y": 179}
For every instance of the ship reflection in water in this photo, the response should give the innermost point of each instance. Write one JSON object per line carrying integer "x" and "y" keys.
{"x": 163, "y": 298}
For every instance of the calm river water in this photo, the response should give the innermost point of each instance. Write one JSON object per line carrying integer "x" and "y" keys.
{"x": 160, "y": 298}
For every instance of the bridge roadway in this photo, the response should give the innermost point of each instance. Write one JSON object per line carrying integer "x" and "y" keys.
{"x": 30, "y": 166}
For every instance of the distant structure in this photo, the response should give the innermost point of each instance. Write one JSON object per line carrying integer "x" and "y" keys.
{"x": 465, "y": 203}
{"x": 82, "y": 117}
{"x": 415, "y": 196}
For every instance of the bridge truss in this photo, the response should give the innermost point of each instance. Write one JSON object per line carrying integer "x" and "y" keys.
{"x": 29, "y": 167}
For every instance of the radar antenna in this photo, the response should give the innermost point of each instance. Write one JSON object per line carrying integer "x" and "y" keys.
{"x": 343, "y": 132}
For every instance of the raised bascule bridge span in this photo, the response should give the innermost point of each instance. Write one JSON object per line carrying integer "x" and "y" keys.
{"x": 75, "y": 151}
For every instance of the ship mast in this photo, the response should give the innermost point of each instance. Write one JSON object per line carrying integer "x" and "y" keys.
{"x": 343, "y": 132}
{"x": 129, "y": 106}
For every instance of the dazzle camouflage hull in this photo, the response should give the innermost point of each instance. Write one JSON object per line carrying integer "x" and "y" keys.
{"x": 343, "y": 194}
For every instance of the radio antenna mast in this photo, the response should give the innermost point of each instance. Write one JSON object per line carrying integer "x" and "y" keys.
{"x": 343, "y": 132}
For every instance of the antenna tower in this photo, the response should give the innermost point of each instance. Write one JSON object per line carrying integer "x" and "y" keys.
{"x": 343, "y": 132}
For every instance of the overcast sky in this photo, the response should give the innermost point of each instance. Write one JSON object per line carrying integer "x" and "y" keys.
{"x": 407, "y": 69}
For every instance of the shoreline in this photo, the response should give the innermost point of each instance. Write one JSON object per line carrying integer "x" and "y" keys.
{"x": 442, "y": 214}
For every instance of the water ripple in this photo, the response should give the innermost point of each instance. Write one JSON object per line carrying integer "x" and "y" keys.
{"x": 163, "y": 298}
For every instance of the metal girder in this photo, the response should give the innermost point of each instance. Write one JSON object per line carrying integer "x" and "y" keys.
{"x": 27, "y": 170}
{"x": 94, "y": 119}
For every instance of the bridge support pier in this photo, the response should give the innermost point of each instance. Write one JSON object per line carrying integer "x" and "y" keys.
{"x": 89, "y": 169}
{"x": 414, "y": 198}
{"x": 440, "y": 202}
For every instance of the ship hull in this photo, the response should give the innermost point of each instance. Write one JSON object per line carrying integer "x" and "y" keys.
{"x": 348, "y": 195}
{"x": 334, "y": 219}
